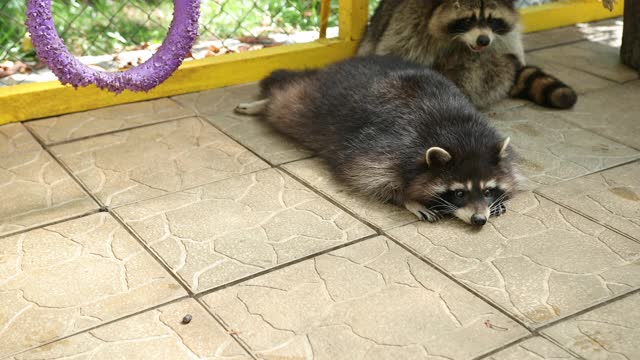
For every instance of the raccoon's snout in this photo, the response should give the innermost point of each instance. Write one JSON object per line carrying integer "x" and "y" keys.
{"x": 478, "y": 39}
{"x": 483, "y": 40}
{"x": 478, "y": 219}
{"x": 473, "y": 215}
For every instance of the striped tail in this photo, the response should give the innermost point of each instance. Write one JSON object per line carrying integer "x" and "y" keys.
{"x": 533, "y": 84}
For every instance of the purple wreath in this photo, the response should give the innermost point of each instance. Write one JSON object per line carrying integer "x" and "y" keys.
{"x": 50, "y": 49}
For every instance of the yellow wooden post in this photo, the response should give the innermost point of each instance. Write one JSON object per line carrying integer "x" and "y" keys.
{"x": 353, "y": 16}
{"x": 325, "y": 9}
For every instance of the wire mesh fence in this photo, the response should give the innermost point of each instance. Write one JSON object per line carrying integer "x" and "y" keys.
{"x": 117, "y": 34}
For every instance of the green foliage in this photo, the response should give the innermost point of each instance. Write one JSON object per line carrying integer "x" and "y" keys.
{"x": 12, "y": 17}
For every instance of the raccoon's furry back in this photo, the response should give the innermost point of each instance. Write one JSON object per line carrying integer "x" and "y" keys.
{"x": 373, "y": 118}
{"x": 419, "y": 30}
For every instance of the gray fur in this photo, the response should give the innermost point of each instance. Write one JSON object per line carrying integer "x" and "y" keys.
{"x": 416, "y": 30}
{"x": 373, "y": 120}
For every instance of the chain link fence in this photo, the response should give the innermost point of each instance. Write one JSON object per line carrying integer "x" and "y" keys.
{"x": 117, "y": 34}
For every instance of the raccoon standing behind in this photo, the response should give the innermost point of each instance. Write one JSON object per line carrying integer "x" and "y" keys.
{"x": 397, "y": 132}
{"x": 475, "y": 43}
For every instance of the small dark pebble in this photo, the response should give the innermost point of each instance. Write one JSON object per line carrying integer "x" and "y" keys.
{"x": 186, "y": 319}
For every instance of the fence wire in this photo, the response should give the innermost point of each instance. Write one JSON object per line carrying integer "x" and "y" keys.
{"x": 117, "y": 34}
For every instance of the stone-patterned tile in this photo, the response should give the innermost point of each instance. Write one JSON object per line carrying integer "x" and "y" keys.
{"x": 553, "y": 150}
{"x": 535, "y": 348}
{"x": 371, "y": 300}
{"x": 580, "y": 81}
{"x": 598, "y": 58}
{"x": 65, "y": 278}
{"x": 220, "y": 101}
{"x": 34, "y": 188}
{"x": 100, "y": 121}
{"x": 259, "y": 137}
{"x": 612, "y": 112}
{"x": 316, "y": 173}
{"x": 540, "y": 261}
{"x": 234, "y": 228}
{"x": 609, "y": 332}
{"x": 138, "y": 164}
{"x": 14, "y": 138}
{"x": 154, "y": 334}
{"x": 554, "y": 37}
{"x": 505, "y": 105}
{"x": 611, "y": 197}
{"x": 607, "y": 30}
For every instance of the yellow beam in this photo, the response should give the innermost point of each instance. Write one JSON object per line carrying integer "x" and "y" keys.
{"x": 565, "y": 13}
{"x": 30, "y": 101}
{"x": 352, "y": 16}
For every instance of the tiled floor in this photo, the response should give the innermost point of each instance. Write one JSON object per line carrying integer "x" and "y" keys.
{"x": 117, "y": 223}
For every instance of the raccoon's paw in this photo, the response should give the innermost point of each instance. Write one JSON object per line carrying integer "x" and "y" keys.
{"x": 252, "y": 108}
{"x": 498, "y": 209}
{"x": 421, "y": 211}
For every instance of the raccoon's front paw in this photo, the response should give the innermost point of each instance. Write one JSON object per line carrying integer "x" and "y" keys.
{"x": 421, "y": 211}
{"x": 498, "y": 209}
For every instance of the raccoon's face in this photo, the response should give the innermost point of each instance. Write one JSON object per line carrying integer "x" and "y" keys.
{"x": 476, "y": 23}
{"x": 474, "y": 201}
{"x": 472, "y": 187}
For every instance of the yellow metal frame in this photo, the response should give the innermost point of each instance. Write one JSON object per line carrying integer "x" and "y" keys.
{"x": 32, "y": 101}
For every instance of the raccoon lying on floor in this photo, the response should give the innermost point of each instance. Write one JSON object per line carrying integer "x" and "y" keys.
{"x": 397, "y": 132}
{"x": 475, "y": 43}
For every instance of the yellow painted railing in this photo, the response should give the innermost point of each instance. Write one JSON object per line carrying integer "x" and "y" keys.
{"x": 566, "y": 12}
{"x": 32, "y": 101}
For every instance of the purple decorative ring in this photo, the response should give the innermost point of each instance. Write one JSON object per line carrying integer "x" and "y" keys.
{"x": 50, "y": 49}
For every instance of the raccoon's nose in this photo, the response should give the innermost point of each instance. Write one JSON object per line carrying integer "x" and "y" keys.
{"x": 478, "y": 219}
{"x": 483, "y": 40}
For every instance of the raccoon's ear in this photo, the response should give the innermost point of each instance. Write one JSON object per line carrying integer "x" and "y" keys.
{"x": 504, "y": 148}
{"x": 437, "y": 156}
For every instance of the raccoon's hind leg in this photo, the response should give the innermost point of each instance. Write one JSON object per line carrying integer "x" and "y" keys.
{"x": 252, "y": 108}
{"x": 278, "y": 79}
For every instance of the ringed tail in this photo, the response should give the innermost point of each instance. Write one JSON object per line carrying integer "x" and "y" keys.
{"x": 533, "y": 84}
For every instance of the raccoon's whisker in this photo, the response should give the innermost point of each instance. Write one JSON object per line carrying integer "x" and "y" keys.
{"x": 442, "y": 208}
{"x": 506, "y": 193}
{"x": 441, "y": 204}
{"x": 498, "y": 201}
{"x": 495, "y": 205}
{"x": 441, "y": 200}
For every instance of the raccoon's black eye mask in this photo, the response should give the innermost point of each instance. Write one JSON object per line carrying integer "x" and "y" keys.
{"x": 498, "y": 26}
{"x": 461, "y": 26}
{"x": 449, "y": 201}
